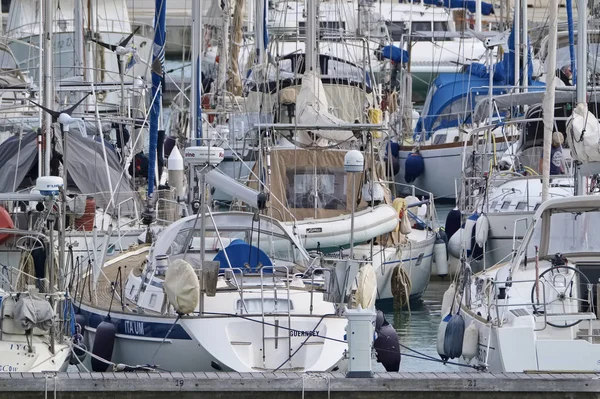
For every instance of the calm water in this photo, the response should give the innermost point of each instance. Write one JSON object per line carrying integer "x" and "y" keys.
{"x": 417, "y": 329}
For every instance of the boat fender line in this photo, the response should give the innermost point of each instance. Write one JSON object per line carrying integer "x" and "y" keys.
{"x": 453, "y": 339}
{"x": 447, "y": 300}
{"x": 470, "y": 342}
{"x": 104, "y": 343}
{"x": 453, "y": 222}
{"x": 387, "y": 344}
{"x": 401, "y": 286}
{"x": 79, "y": 348}
{"x": 414, "y": 166}
{"x": 442, "y": 336}
{"x": 440, "y": 254}
{"x": 366, "y": 287}
{"x": 482, "y": 228}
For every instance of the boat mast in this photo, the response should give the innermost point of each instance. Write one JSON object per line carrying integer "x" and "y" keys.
{"x": 548, "y": 103}
{"x": 196, "y": 92}
{"x": 582, "y": 79}
{"x": 311, "y": 37}
{"x": 158, "y": 62}
{"x": 47, "y": 89}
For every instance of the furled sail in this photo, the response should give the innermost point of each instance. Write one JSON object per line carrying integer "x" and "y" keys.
{"x": 313, "y": 109}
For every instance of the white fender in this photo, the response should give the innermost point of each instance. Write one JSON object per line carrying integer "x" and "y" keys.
{"x": 366, "y": 287}
{"x": 470, "y": 342}
{"x": 447, "y": 299}
{"x": 454, "y": 243}
{"x": 335, "y": 232}
{"x": 482, "y": 227}
{"x": 440, "y": 257}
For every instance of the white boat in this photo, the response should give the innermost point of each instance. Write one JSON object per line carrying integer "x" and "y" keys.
{"x": 36, "y": 317}
{"x": 538, "y": 312}
{"x": 265, "y": 312}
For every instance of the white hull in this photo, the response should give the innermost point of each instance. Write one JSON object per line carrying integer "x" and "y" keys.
{"x": 416, "y": 259}
{"x": 16, "y": 358}
{"x": 443, "y": 167}
{"x": 221, "y": 343}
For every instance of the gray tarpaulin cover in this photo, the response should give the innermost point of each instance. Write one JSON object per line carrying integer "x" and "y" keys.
{"x": 85, "y": 160}
{"x": 33, "y": 311}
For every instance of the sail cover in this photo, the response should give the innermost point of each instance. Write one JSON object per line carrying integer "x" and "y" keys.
{"x": 85, "y": 160}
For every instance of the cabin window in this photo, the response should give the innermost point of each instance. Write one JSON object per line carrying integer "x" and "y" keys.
{"x": 321, "y": 188}
{"x": 493, "y": 206}
{"x": 440, "y": 26}
{"x": 396, "y": 30}
{"x": 505, "y": 205}
{"x": 450, "y": 113}
{"x": 439, "y": 139}
{"x": 536, "y": 207}
{"x": 152, "y": 301}
{"x": 521, "y": 206}
{"x": 421, "y": 27}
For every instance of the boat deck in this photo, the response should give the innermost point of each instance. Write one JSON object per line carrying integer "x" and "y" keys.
{"x": 109, "y": 280}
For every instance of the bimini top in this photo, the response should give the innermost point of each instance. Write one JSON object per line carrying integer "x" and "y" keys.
{"x": 450, "y": 100}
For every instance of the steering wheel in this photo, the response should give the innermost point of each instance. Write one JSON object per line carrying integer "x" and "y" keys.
{"x": 550, "y": 278}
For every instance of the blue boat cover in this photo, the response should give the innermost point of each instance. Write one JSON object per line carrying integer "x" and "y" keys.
{"x": 486, "y": 8}
{"x": 243, "y": 256}
{"x": 395, "y": 54}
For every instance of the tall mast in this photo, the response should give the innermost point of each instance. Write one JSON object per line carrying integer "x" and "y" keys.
{"x": 548, "y": 103}
{"x": 47, "y": 87}
{"x": 196, "y": 92}
{"x": 582, "y": 79}
{"x": 158, "y": 62}
{"x": 311, "y": 35}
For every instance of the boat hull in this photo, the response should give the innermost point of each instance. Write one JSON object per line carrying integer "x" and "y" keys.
{"x": 220, "y": 343}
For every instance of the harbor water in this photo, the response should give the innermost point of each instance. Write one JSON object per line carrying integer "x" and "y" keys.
{"x": 417, "y": 329}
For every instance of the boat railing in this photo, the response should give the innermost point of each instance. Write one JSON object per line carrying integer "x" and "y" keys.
{"x": 540, "y": 308}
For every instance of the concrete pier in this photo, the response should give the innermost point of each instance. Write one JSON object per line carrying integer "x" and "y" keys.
{"x": 298, "y": 385}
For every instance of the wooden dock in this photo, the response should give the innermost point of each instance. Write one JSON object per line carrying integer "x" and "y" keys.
{"x": 297, "y": 385}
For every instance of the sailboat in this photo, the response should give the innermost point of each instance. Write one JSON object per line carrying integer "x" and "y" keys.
{"x": 539, "y": 310}
{"x": 36, "y": 318}
{"x": 228, "y": 291}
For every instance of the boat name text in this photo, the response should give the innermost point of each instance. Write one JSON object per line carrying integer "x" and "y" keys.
{"x": 296, "y": 333}
{"x": 134, "y": 327}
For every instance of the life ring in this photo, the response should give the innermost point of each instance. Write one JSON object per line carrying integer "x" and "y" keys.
{"x": 6, "y": 222}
